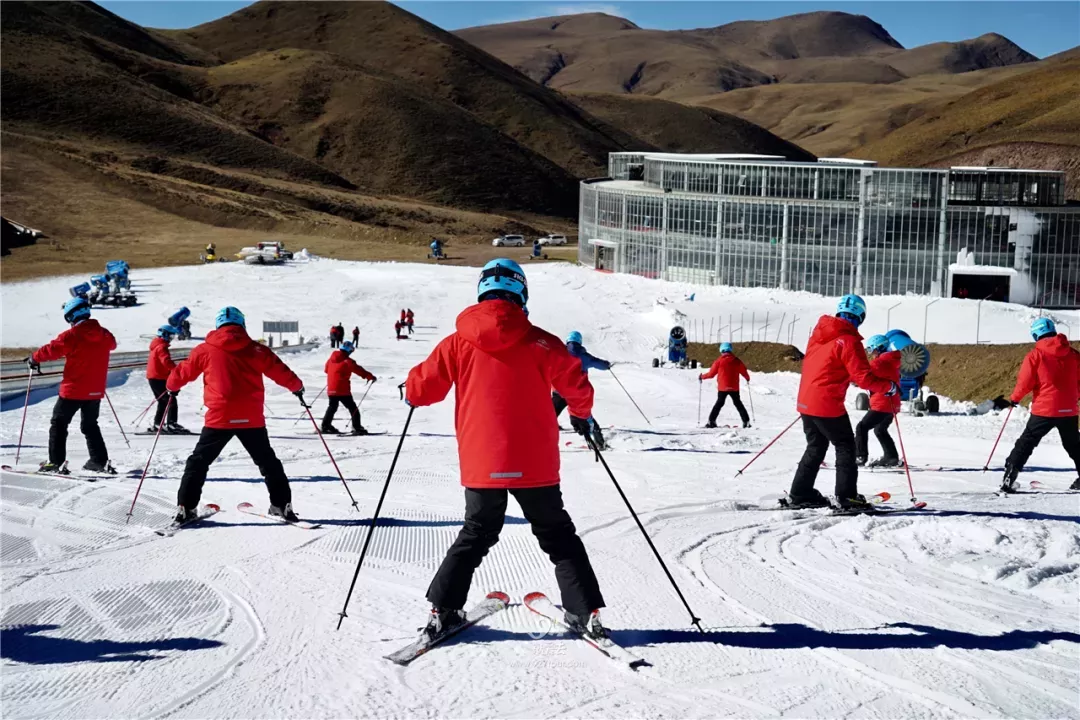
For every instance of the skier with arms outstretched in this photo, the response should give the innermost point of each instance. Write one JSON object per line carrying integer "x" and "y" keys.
{"x": 503, "y": 368}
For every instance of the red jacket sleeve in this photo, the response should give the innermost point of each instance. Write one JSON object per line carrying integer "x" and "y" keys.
{"x": 164, "y": 358}
{"x": 715, "y": 368}
{"x": 430, "y": 381}
{"x": 570, "y": 381}
{"x": 53, "y": 350}
{"x": 112, "y": 340}
{"x": 743, "y": 371}
{"x": 854, "y": 358}
{"x": 1025, "y": 380}
{"x": 357, "y": 370}
{"x": 186, "y": 371}
{"x": 272, "y": 367}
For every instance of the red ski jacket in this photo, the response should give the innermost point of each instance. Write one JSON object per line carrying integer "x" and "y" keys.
{"x": 1051, "y": 372}
{"x": 726, "y": 369}
{"x": 887, "y": 366}
{"x": 86, "y": 346}
{"x": 504, "y": 369}
{"x": 339, "y": 371}
{"x": 160, "y": 363}
{"x": 232, "y": 366}
{"x": 409, "y": 317}
{"x": 834, "y": 358}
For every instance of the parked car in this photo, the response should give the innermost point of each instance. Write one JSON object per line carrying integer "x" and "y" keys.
{"x": 553, "y": 240}
{"x": 509, "y": 241}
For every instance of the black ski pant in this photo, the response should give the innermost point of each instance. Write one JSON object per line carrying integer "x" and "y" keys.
{"x": 162, "y": 395}
{"x": 1037, "y": 428}
{"x": 355, "y": 339}
{"x": 735, "y": 400}
{"x": 62, "y": 415}
{"x": 820, "y": 433}
{"x": 350, "y": 405}
{"x": 485, "y": 511}
{"x": 879, "y": 422}
{"x": 211, "y": 442}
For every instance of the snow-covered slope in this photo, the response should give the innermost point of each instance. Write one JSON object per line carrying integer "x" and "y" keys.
{"x": 969, "y": 609}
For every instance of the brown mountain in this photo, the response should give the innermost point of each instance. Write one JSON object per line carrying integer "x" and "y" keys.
{"x": 599, "y": 53}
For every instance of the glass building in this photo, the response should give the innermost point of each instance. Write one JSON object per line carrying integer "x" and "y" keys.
{"x": 834, "y": 226}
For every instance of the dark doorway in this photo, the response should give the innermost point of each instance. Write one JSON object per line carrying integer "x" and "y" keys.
{"x": 978, "y": 287}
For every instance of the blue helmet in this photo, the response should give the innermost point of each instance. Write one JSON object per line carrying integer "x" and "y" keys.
{"x": 76, "y": 309}
{"x": 229, "y": 316}
{"x": 1042, "y": 327}
{"x": 347, "y": 347}
{"x": 165, "y": 332}
{"x": 574, "y": 337}
{"x": 505, "y": 276}
{"x": 877, "y": 343}
{"x": 853, "y": 307}
{"x": 726, "y": 348}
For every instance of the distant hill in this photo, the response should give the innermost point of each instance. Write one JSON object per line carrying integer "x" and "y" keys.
{"x": 601, "y": 53}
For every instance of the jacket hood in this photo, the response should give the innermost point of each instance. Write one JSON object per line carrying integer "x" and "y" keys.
{"x": 493, "y": 325}
{"x": 889, "y": 361}
{"x": 1057, "y": 345}
{"x": 91, "y": 329}
{"x": 230, "y": 338}
{"x": 338, "y": 356}
{"x": 830, "y": 327}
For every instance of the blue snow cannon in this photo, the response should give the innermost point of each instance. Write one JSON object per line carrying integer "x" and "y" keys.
{"x": 677, "y": 344}
{"x": 914, "y": 363}
{"x": 178, "y": 317}
{"x": 81, "y": 290}
{"x": 100, "y": 282}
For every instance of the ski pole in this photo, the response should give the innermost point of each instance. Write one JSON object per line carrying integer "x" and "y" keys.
{"x": 1000, "y": 433}
{"x": 148, "y": 458}
{"x": 117, "y": 419}
{"x": 375, "y": 518}
{"x": 143, "y": 413}
{"x": 903, "y": 453}
{"x": 762, "y": 452}
{"x": 366, "y": 390}
{"x": 750, "y": 394}
{"x": 26, "y": 404}
{"x": 307, "y": 409}
{"x": 628, "y": 394}
{"x": 699, "y": 401}
{"x": 301, "y": 417}
{"x": 694, "y": 619}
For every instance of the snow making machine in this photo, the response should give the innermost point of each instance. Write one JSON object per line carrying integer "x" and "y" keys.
{"x": 914, "y": 363}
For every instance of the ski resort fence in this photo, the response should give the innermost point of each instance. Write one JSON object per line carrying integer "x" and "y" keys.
{"x": 834, "y": 227}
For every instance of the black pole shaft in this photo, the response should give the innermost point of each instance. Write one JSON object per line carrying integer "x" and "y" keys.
{"x": 374, "y": 518}
{"x": 629, "y": 396}
{"x": 694, "y": 619}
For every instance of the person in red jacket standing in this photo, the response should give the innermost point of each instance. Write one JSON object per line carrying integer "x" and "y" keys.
{"x": 834, "y": 359}
{"x": 1051, "y": 374}
{"x": 86, "y": 347}
{"x": 339, "y": 370}
{"x": 409, "y": 318}
{"x": 884, "y": 364}
{"x": 232, "y": 366}
{"x": 508, "y": 442}
{"x": 726, "y": 369}
{"x": 158, "y": 367}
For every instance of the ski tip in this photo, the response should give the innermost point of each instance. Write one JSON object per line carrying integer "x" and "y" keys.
{"x": 244, "y": 506}
{"x": 534, "y": 596}
{"x": 919, "y": 505}
{"x": 212, "y": 506}
{"x": 885, "y": 496}
{"x": 499, "y": 595}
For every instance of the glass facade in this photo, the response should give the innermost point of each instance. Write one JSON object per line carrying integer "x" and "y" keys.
{"x": 834, "y": 228}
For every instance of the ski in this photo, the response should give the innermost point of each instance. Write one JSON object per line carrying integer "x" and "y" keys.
{"x": 76, "y": 475}
{"x": 539, "y": 603}
{"x": 876, "y": 499}
{"x": 204, "y": 512}
{"x": 878, "y": 509}
{"x": 493, "y": 603}
{"x": 152, "y": 433}
{"x": 246, "y": 507}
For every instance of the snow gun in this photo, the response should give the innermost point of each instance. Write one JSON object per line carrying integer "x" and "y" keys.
{"x": 81, "y": 290}
{"x": 914, "y": 363}
{"x": 100, "y": 282}
{"x": 178, "y": 317}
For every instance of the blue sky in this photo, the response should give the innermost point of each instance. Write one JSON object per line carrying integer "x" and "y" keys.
{"x": 1041, "y": 28}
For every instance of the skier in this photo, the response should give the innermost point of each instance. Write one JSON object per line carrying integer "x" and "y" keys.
{"x": 87, "y": 346}
{"x": 1051, "y": 373}
{"x": 232, "y": 366}
{"x": 339, "y": 333}
{"x": 339, "y": 370}
{"x": 508, "y": 441}
{"x": 676, "y": 345}
{"x": 333, "y": 336}
{"x": 588, "y": 362}
{"x": 158, "y": 367}
{"x": 409, "y": 318}
{"x": 355, "y": 336}
{"x": 884, "y": 364}
{"x": 726, "y": 369}
{"x": 834, "y": 359}
{"x": 398, "y": 327}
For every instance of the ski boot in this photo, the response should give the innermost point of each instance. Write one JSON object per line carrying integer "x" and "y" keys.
{"x": 860, "y": 461}
{"x": 588, "y": 625}
{"x": 442, "y": 621}
{"x": 105, "y": 468}
{"x": 710, "y": 425}
{"x": 746, "y": 423}
{"x": 1008, "y": 482}
{"x": 813, "y": 499}
{"x": 885, "y": 462}
{"x": 598, "y": 439}
{"x": 176, "y": 429}
{"x": 51, "y": 467}
{"x": 856, "y": 502}
{"x": 285, "y": 513}
{"x": 359, "y": 430}
{"x": 184, "y": 515}
{"x": 329, "y": 429}
{"x": 1075, "y": 485}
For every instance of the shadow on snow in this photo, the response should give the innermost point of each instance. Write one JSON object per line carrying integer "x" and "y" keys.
{"x": 24, "y": 644}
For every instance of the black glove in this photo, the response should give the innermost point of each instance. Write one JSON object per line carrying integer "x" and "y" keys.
{"x": 893, "y": 390}
{"x": 34, "y": 365}
{"x": 173, "y": 393}
{"x": 300, "y": 396}
{"x": 581, "y": 426}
